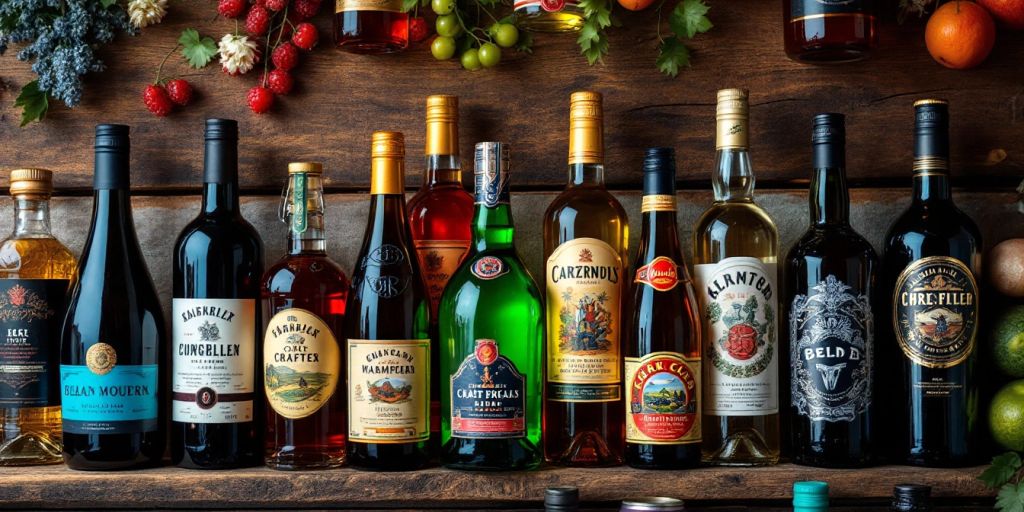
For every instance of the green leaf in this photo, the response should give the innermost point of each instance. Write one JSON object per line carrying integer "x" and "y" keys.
{"x": 198, "y": 51}
{"x": 525, "y": 42}
{"x": 33, "y": 102}
{"x": 592, "y": 40}
{"x": 1010, "y": 498}
{"x": 673, "y": 55}
{"x": 408, "y": 5}
{"x": 1002, "y": 470}
{"x": 689, "y": 18}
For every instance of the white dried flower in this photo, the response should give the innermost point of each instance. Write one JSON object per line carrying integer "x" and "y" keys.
{"x": 143, "y": 13}
{"x": 237, "y": 54}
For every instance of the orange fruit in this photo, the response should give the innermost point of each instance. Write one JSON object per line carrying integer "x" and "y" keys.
{"x": 636, "y": 5}
{"x": 1010, "y": 13}
{"x": 960, "y": 34}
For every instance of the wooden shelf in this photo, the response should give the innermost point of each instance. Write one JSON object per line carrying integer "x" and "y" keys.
{"x": 59, "y": 487}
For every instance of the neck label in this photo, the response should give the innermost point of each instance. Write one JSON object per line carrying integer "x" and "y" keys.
{"x": 299, "y": 205}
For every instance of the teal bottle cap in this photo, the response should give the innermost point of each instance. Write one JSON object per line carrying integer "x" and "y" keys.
{"x": 810, "y": 495}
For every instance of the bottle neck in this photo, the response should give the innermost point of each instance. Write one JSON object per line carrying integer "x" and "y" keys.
{"x": 931, "y": 188}
{"x": 586, "y": 175}
{"x": 659, "y": 236}
{"x": 734, "y": 178}
{"x": 441, "y": 170}
{"x": 220, "y": 198}
{"x": 31, "y": 217}
{"x": 829, "y": 197}
{"x": 111, "y": 213}
{"x": 220, "y": 177}
{"x": 305, "y": 215}
{"x": 492, "y": 227}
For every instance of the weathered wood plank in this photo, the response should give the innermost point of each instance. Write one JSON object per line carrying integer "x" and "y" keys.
{"x": 341, "y": 98}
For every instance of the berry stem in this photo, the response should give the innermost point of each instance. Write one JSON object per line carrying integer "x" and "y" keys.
{"x": 462, "y": 23}
{"x": 160, "y": 68}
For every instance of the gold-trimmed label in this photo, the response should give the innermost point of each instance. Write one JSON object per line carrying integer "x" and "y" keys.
{"x": 301, "y": 363}
{"x": 388, "y": 391}
{"x": 101, "y": 358}
{"x": 368, "y": 5}
{"x": 663, "y": 399}
{"x": 658, "y": 203}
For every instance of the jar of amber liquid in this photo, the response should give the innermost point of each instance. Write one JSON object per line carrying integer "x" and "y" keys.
{"x": 370, "y": 26}
{"x": 825, "y": 31}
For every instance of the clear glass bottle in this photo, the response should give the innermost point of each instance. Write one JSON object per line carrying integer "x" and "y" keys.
{"x": 549, "y": 15}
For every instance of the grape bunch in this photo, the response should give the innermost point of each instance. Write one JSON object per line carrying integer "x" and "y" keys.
{"x": 460, "y": 33}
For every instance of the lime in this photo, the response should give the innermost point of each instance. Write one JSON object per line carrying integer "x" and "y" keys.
{"x": 489, "y": 55}
{"x": 1007, "y": 341}
{"x": 470, "y": 59}
{"x": 443, "y": 48}
{"x": 1006, "y": 416}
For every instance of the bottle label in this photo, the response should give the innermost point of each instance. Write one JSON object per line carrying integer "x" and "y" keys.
{"x": 546, "y": 5}
{"x": 584, "y": 288}
{"x": 662, "y": 399}
{"x": 300, "y": 217}
{"x": 739, "y": 310}
{"x": 301, "y": 362}
{"x": 935, "y": 312}
{"x": 803, "y": 9}
{"x": 831, "y": 352}
{"x": 439, "y": 259}
{"x": 213, "y": 363}
{"x": 488, "y": 396}
{"x": 662, "y": 274}
{"x": 388, "y": 394}
{"x": 490, "y": 184}
{"x": 31, "y": 312}
{"x": 368, "y": 5}
{"x": 488, "y": 268}
{"x": 103, "y": 397}
{"x": 386, "y": 286}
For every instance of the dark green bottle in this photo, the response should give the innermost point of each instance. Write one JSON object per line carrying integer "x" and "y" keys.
{"x": 492, "y": 338}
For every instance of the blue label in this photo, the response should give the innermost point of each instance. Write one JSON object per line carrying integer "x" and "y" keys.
{"x": 805, "y": 8}
{"x": 123, "y": 400}
{"x": 488, "y": 396}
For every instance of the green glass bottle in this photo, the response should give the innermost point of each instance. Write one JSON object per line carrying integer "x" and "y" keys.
{"x": 492, "y": 339}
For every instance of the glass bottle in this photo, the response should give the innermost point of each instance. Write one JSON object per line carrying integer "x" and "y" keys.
{"x": 36, "y": 271}
{"x": 586, "y": 235}
{"x": 388, "y": 340}
{"x": 113, "y": 346}
{"x": 304, "y": 295}
{"x": 549, "y": 15}
{"x": 736, "y": 248}
{"x": 371, "y": 26}
{"x": 830, "y": 293}
{"x": 663, "y": 345}
{"x": 492, "y": 334}
{"x": 824, "y": 31}
{"x": 911, "y": 498}
{"x": 931, "y": 263}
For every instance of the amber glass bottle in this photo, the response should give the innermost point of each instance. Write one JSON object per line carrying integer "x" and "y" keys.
{"x": 585, "y": 247}
{"x": 823, "y": 31}
{"x": 371, "y": 26}
{"x": 304, "y": 296}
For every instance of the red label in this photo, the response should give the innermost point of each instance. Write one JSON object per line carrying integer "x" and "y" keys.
{"x": 552, "y": 5}
{"x": 662, "y": 400}
{"x": 662, "y": 274}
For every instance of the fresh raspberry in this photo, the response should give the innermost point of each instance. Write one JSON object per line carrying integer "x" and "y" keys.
{"x": 305, "y": 36}
{"x": 280, "y": 81}
{"x": 285, "y": 56}
{"x": 306, "y": 9}
{"x": 231, "y": 8}
{"x": 276, "y": 5}
{"x": 156, "y": 100}
{"x": 418, "y": 29}
{"x": 260, "y": 99}
{"x": 257, "y": 22}
{"x": 179, "y": 91}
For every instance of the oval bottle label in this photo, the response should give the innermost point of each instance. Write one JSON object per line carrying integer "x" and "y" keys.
{"x": 663, "y": 399}
{"x": 301, "y": 363}
{"x": 661, "y": 273}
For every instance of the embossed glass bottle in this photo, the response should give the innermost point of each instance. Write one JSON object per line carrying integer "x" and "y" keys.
{"x": 830, "y": 293}
{"x": 736, "y": 247}
{"x": 36, "y": 270}
{"x": 492, "y": 334}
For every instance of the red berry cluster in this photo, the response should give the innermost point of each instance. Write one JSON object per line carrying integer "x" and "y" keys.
{"x": 283, "y": 24}
{"x": 161, "y": 99}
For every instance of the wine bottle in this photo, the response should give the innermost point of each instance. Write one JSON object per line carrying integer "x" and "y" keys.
{"x": 492, "y": 334}
{"x": 663, "y": 345}
{"x": 388, "y": 343}
{"x": 304, "y": 297}
{"x": 216, "y": 418}
{"x": 112, "y": 343}
{"x": 817, "y": 31}
{"x": 363, "y": 26}
{"x": 830, "y": 293}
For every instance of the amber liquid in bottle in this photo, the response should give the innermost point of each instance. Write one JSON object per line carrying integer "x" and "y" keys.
{"x": 825, "y": 32}
{"x": 32, "y": 259}
{"x": 585, "y": 227}
{"x": 362, "y": 26}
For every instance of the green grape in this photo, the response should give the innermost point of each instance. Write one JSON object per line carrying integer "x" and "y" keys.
{"x": 506, "y": 35}
{"x": 448, "y": 25}
{"x": 443, "y": 48}
{"x": 442, "y": 7}
{"x": 471, "y": 59}
{"x": 489, "y": 55}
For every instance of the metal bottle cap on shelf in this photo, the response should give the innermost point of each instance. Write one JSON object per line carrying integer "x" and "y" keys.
{"x": 810, "y": 496}
{"x": 442, "y": 125}
{"x": 387, "y": 167}
{"x": 305, "y": 168}
{"x": 561, "y": 499}
{"x": 31, "y": 182}
{"x": 732, "y": 114}
{"x": 911, "y": 498}
{"x": 657, "y": 504}
{"x": 586, "y": 130}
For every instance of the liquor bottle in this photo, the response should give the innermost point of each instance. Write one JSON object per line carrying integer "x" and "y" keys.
{"x": 810, "y": 496}
{"x": 549, "y": 15}
{"x": 932, "y": 259}
{"x": 817, "y": 31}
{"x": 911, "y": 498}
{"x": 439, "y": 220}
{"x": 365, "y": 26}
{"x": 36, "y": 270}
{"x": 387, "y": 335}
{"x": 663, "y": 347}
{"x": 112, "y": 343}
{"x": 586, "y": 237}
{"x": 492, "y": 331}
{"x": 830, "y": 291}
{"x": 216, "y": 418}
{"x": 736, "y": 248}
{"x": 304, "y": 296}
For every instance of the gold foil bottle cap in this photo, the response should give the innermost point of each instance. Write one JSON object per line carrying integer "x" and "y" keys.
{"x": 305, "y": 168}
{"x": 31, "y": 182}
{"x": 586, "y": 130}
{"x": 442, "y": 125}
{"x": 732, "y": 114}
{"x": 930, "y": 101}
{"x": 387, "y": 167}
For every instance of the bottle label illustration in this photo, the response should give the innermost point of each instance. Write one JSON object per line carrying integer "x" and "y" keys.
{"x": 489, "y": 267}
{"x": 831, "y": 352}
{"x": 301, "y": 362}
{"x": 663, "y": 399}
{"x": 213, "y": 360}
{"x": 739, "y": 308}
{"x": 488, "y": 396}
{"x": 388, "y": 394}
{"x": 662, "y": 274}
{"x": 30, "y": 323}
{"x": 439, "y": 259}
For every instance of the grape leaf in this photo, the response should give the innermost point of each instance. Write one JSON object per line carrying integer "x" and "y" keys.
{"x": 33, "y": 102}
{"x": 673, "y": 55}
{"x": 408, "y": 5}
{"x": 689, "y": 18}
{"x": 198, "y": 51}
{"x": 592, "y": 40}
{"x": 1002, "y": 470}
{"x": 1010, "y": 498}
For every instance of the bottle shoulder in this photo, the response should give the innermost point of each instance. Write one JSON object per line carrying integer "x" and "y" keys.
{"x": 574, "y": 200}
{"x": 832, "y": 242}
{"x": 450, "y": 196}
{"x": 513, "y": 284}
{"x": 924, "y": 225}
{"x": 745, "y": 215}
{"x": 292, "y": 270}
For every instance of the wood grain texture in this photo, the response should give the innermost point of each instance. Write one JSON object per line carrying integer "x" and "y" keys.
{"x": 58, "y": 487}
{"x": 341, "y": 98}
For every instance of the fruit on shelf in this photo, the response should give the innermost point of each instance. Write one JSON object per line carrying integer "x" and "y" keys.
{"x": 418, "y": 30}
{"x": 305, "y": 36}
{"x": 231, "y": 8}
{"x": 157, "y": 101}
{"x": 285, "y": 57}
{"x": 489, "y": 55}
{"x": 636, "y": 5}
{"x": 1006, "y": 267}
{"x": 471, "y": 59}
{"x": 448, "y": 25}
{"x": 443, "y": 48}
{"x": 1009, "y": 13}
{"x": 1006, "y": 416}
{"x": 1007, "y": 341}
{"x": 260, "y": 99}
{"x": 280, "y": 82}
{"x": 257, "y": 22}
{"x": 960, "y": 35}
{"x": 180, "y": 91}
{"x": 505, "y": 34}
